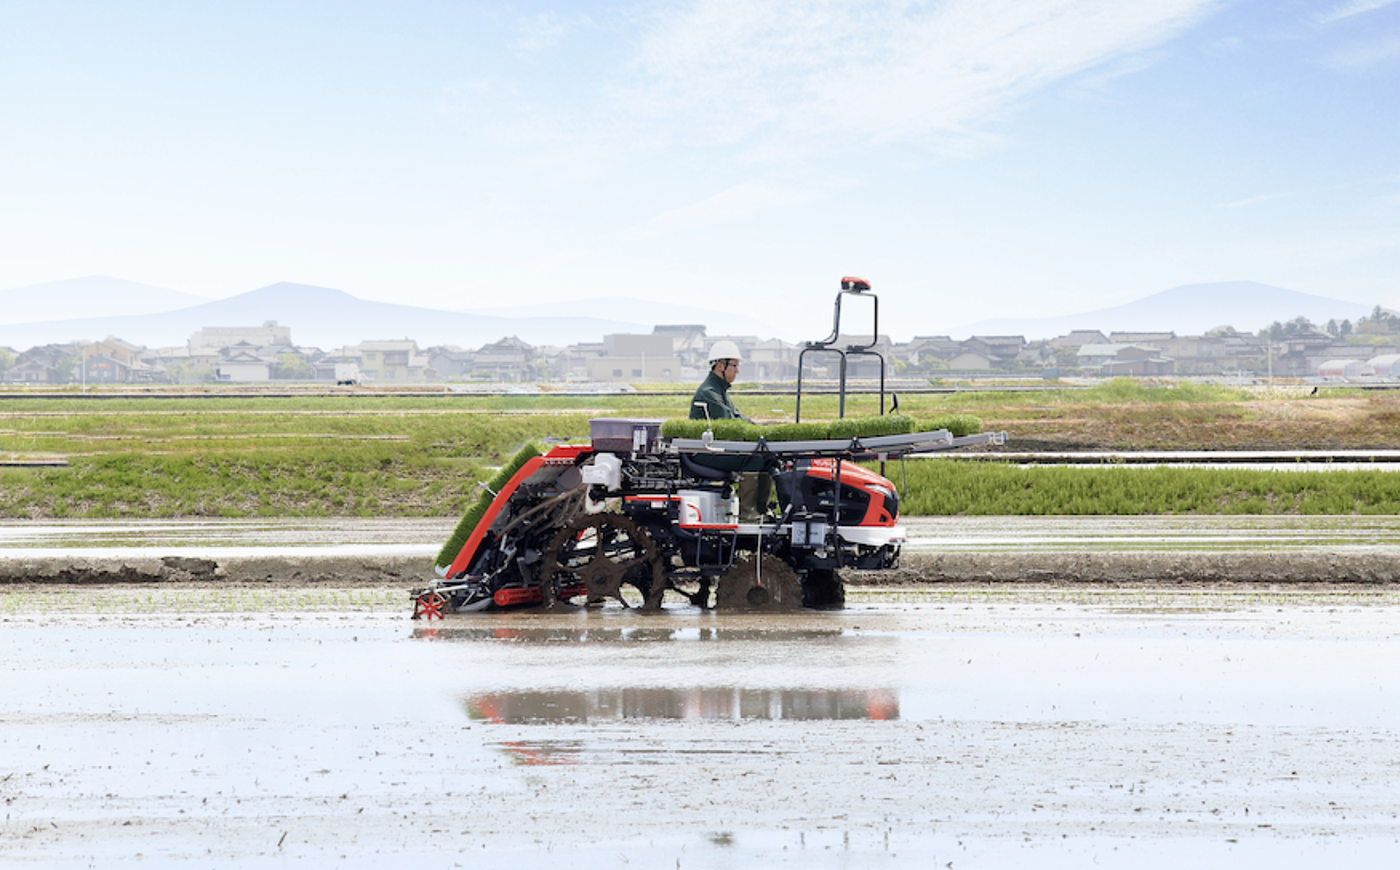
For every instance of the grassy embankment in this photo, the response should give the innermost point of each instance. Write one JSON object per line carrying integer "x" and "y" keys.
{"x": 1126, "y": 415}
{"x": 390, "y": 456}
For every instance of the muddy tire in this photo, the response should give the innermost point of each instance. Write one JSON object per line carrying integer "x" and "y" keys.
{"x": 822, "y": 589}
{"x": 594, "y": 555}
{"x": 758, "y": 584}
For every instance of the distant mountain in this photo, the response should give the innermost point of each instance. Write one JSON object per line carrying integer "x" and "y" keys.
{"x": 645, "y": 311}
{"x": 93, "y": 296}
{"x": 318, "y": 317}
{"x": 328, "y": 318}
{"x": 1191, "y": 309}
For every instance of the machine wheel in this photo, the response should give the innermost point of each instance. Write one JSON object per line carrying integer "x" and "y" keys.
{"x": 598, "y": 554}
{"x": 429, "y": 605}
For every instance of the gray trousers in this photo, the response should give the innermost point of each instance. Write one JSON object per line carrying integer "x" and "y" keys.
{"x": 753, "y": 490}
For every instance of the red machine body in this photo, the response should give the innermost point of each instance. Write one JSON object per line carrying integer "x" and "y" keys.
{"x": 631, "y": 515}
{"x": 580, "y": 524}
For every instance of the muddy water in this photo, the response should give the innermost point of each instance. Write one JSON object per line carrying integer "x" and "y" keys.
{"x": 419, "y": 537}
{"x": 1090, "y": 534}
{"x": 1045, "y": 732}
{"x": 220, "y": 538}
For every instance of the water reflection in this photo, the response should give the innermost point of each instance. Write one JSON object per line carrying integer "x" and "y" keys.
{"x": 542, "y": 752}
{"x": 719, "y": 703}
{"x": 634, "y": 634}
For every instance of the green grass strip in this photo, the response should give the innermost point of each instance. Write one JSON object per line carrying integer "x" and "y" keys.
{"x": 946, "y": 487}
{"x": 738, "y": 430}
{"x": 842, "y": 429}
{"x": 477, "y": 511}
{"x": 958, "y": 424}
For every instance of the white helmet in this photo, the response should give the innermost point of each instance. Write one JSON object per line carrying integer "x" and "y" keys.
{"x": 724, "y": 349}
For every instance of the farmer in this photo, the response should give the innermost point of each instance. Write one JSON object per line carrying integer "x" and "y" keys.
{"x": 711, "y": 402}
{"x": 713, "y": 392}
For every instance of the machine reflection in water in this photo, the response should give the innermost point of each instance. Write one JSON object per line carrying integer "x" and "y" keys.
{"x": 724, "y": 703}
{"x": 595, "y": 636}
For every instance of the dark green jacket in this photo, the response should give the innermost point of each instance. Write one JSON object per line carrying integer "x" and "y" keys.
{"x": 714, "y": 392}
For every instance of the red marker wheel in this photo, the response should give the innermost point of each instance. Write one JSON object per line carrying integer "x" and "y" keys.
{"x": 429, "y": 605}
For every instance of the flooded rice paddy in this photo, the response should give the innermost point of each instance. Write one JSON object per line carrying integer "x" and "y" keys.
{"x": 1170, "y": 534}
{"x": 1046, "y": 728}
{"x": 223, "y": 538}
{"x": 276, "y": 724}
{"x": 418, "y": 537}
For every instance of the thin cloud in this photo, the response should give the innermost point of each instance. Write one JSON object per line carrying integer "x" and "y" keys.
{"x": 545, "y": 30}
{"x": 1356, "y": 7}
{"x": 823, "y": 73}
{"x": 1253, "y": 200}
{"x": 1099, "y": 80}
{"x": 739, "y": 203}
{"x": 1369, "y": 54}
{"x": 1366, "y": 184}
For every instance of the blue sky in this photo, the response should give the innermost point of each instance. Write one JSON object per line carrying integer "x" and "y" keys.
{"x": 971, "y": 159}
